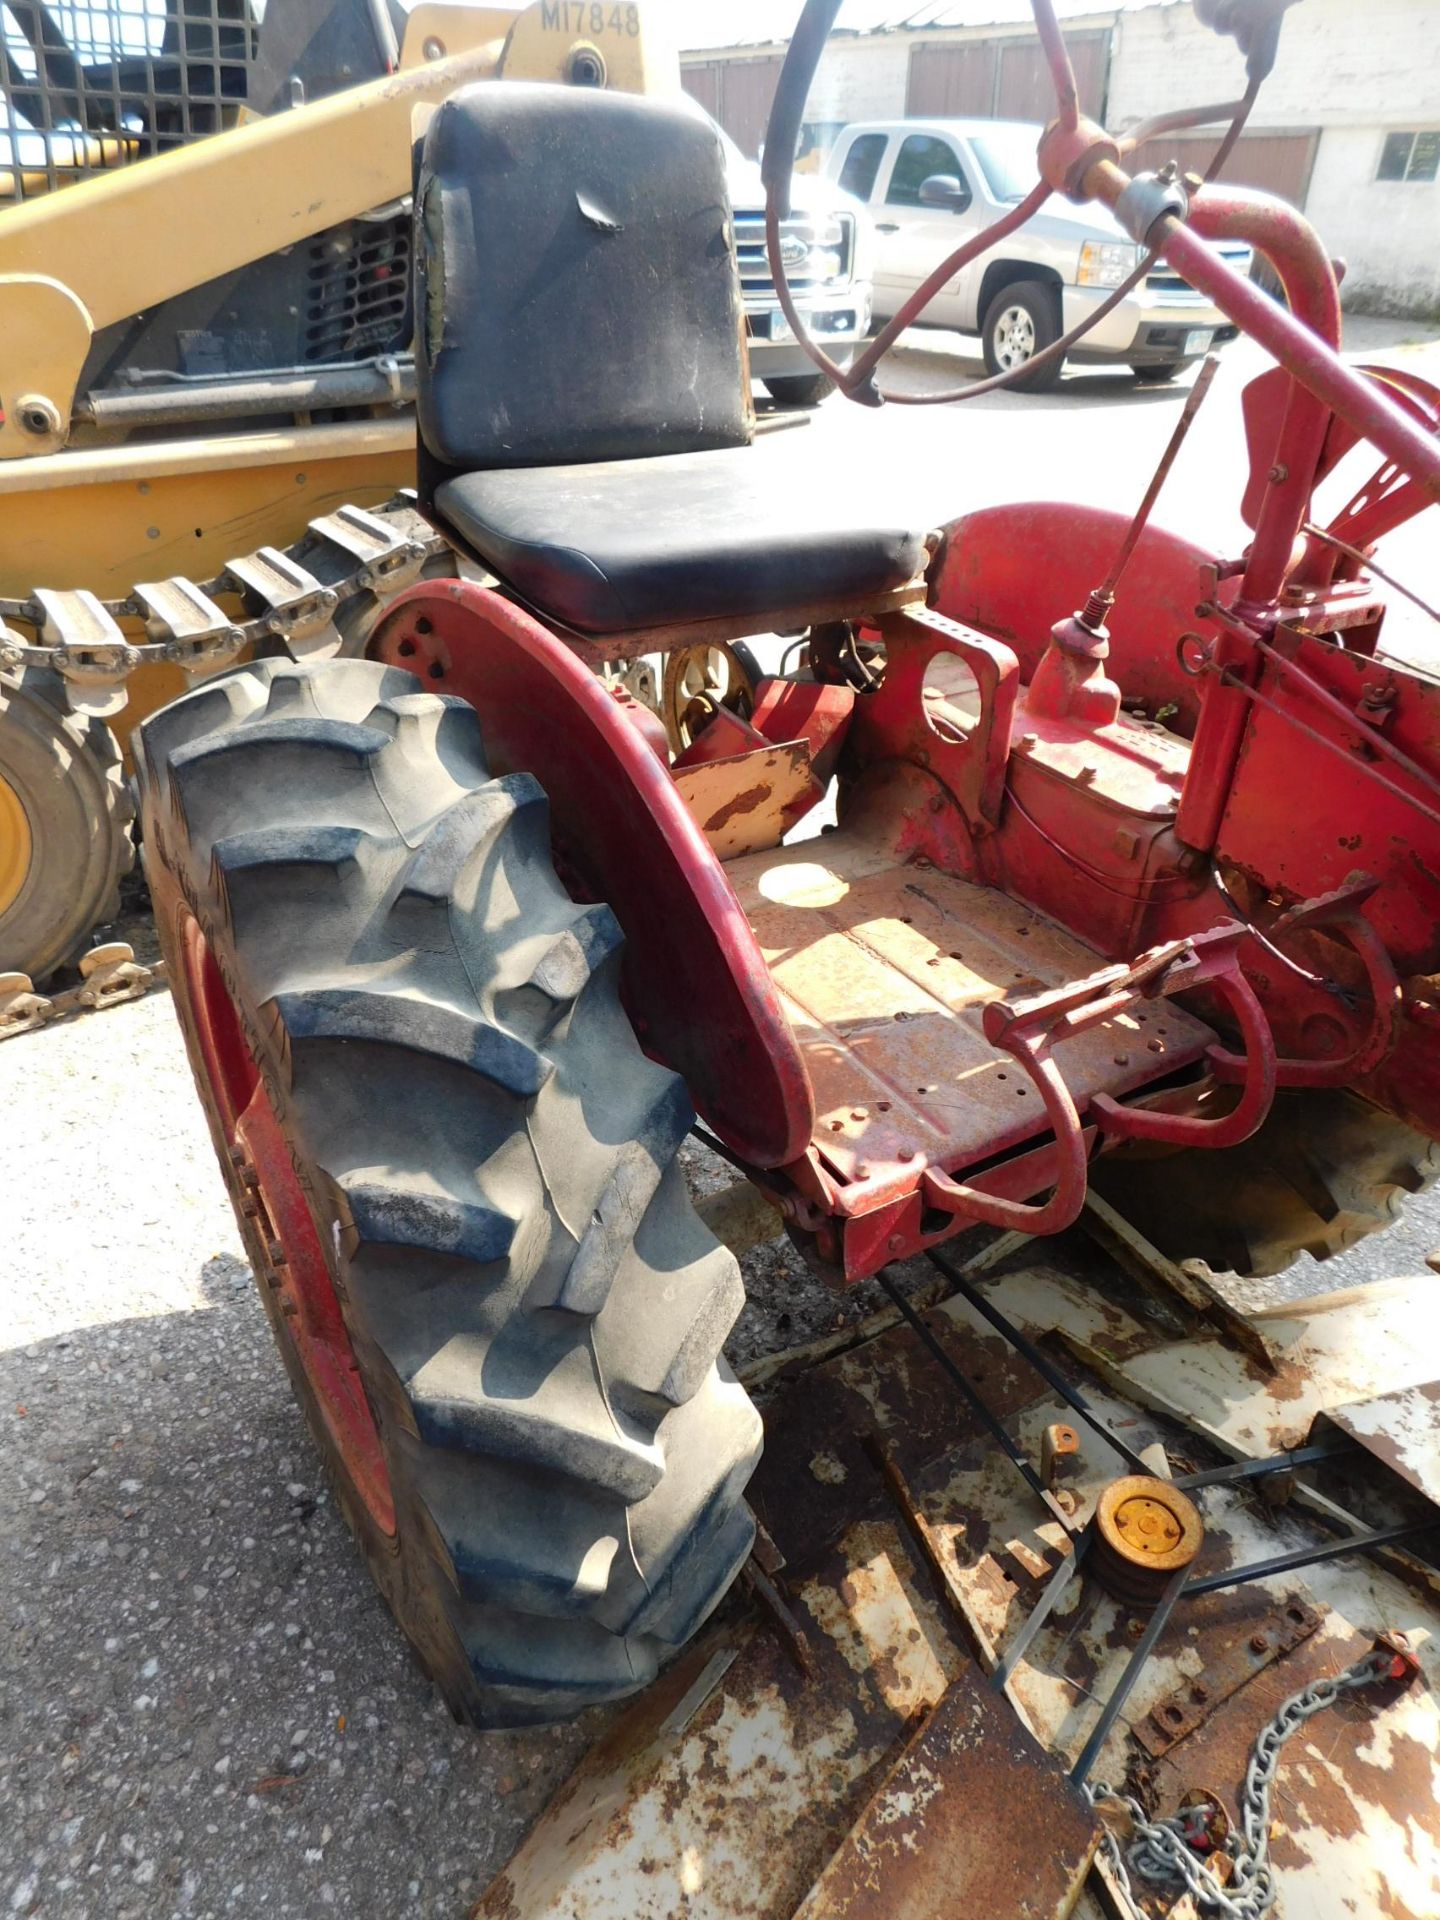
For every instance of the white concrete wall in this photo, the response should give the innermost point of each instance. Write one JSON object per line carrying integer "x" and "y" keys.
{"x": 1386, "y": 231}
{"x": 1356, "y": 72}
{"x": 861, "y": 79}
{"x": 1341, "y": 63}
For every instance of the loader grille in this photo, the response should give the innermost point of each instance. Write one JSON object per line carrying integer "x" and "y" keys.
{"x": 88, "y": 88}
{"x": 359, "y": 280}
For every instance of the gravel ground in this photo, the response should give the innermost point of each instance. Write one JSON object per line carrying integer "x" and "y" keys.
{"x": 204, "y": 1710}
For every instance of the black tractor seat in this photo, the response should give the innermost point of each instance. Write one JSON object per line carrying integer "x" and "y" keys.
{"x": 583, "y": 389}
{"x": 719, "y": 535}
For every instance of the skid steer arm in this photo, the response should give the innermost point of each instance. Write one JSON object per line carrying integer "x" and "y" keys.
{"x": 74, "y": 262}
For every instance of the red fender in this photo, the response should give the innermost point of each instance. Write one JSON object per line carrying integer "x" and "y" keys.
{"x": 704, "y": 1001}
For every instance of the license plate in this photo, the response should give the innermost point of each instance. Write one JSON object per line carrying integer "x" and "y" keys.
{"x": 1197, "y": 341}
{"x": 780, "y": 328}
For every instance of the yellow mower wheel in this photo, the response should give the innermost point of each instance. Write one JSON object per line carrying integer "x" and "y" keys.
{"x": 16, "y": 845}
{"x": 65, "y": 815}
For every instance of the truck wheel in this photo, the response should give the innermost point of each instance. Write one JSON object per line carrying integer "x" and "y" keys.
{"x": 1156, "y": 376}
{"x": 455, "y": 1173}
{"x": 1325, "y": 1171}
{"x": 65, "y": 814}
{"x": 1020, "y": 320}
{"x": 798, "y": 389}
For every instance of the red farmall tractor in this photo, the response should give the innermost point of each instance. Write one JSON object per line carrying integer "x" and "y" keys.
{"x": 1134, "y": 876}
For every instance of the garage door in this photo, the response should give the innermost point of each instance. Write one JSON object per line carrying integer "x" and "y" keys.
{"x": 1279, "y": 163}
{"x": 1005, "y": 78}
{"x": 737, "y": 93}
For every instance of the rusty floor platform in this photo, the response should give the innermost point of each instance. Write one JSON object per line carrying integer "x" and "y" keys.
{"x": 870, "y": 1766}
{"x": 885, "y": 971}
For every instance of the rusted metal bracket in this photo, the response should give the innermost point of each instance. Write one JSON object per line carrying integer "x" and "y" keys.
{"x": 1187, "y": 1287}
{"x": 1405, "y": 1664}
{"x": 1058, "y": 1444}
{"x": 1292, "y": 1621}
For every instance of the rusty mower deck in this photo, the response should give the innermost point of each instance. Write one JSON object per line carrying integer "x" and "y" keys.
{"x": 845, "y": 1746}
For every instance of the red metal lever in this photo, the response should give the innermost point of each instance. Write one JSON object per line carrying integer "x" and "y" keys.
{"x": 1029, "y": 1029}
{"x": 1340, "y": 913}
{"x": 1215, "y": 965}
{"x": 1063, "y": 1207}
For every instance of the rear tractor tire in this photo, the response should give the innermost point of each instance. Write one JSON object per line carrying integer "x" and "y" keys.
{"x": 455, "y": 1173}
{"x": 65, "y": 814}
{"x": 1324, "y": 1172}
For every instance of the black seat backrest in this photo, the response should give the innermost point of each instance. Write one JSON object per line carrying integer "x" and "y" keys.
{"x": 576, "y": 291}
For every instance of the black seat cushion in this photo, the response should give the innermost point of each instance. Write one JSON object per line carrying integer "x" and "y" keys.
{"x": 726, "y": 534}
{"x": 577, "y": 294}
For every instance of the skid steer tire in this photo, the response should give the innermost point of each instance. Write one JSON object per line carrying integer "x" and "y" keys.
{"x": 1326, "y": 1170}
{"x": 65, "y": 814}
{"x": 455, "y": 1172}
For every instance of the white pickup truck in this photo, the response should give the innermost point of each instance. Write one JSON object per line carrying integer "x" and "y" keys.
{"x": 827, "y": 249}
{"x": 928, "y": 183}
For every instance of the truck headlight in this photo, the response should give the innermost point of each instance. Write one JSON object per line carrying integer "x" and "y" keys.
{"x": 1106, "y": 263}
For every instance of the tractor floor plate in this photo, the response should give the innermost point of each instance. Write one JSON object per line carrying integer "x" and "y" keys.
{"x": 885, "y": 971}
{"x": 851, "y": 1765}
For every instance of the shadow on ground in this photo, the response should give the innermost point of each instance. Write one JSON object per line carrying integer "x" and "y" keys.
{"x": 205, "y": 1708}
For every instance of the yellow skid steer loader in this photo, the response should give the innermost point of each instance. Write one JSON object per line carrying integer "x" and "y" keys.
{"x": 205, "y": 361}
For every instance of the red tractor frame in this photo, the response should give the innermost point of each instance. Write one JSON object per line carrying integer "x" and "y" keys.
{"x": 1100, "y": 878}
{"x": 1134, "y": 868}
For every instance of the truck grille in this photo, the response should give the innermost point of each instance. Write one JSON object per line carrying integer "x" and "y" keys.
{"x": 1164, "y": 280}
{"x": 755, "y": 279}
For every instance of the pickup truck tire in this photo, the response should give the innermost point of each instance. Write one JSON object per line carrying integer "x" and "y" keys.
{"x": 797, "y": 389}
{"x": 455, "y": 1174}
{"x": 1023, "y": 318}
{"x": 1157, "y": 376}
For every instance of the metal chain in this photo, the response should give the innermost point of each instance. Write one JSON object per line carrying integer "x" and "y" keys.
{"x": 357, "y": 551}
{"x": 1162, "y": 1851}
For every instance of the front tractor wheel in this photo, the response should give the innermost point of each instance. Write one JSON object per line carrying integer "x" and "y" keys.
{"x": 455, "y": 1174}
